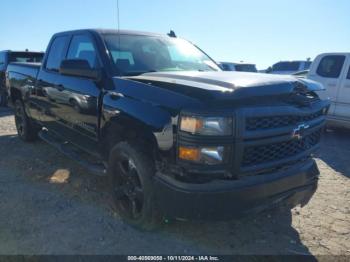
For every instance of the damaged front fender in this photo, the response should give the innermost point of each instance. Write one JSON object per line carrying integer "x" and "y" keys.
{"x": 311, "y": 85}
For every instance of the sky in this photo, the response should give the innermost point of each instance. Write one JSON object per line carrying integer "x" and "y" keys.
{"x": 257, "y": 31}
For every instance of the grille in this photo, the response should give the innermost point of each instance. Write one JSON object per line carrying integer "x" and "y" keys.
{"x": 255, "y": 155}
{"x": 270, "y": 122}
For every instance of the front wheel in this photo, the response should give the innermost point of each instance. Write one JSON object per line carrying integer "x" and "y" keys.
{"x": 25, "y": 128}
{"x": 131, "y": 174}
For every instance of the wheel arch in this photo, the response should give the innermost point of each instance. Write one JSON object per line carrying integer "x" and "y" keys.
{"x": 127, "y": 128}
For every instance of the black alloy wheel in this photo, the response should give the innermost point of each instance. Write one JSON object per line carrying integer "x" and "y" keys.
{"x": 128, "y": 189}
{"x": 26, "y": 130}
{"x": 20, "y": 118}
{"x": 131, "y": 170}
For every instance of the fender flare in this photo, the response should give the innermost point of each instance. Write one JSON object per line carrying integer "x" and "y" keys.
{"x": 152, "y": 119}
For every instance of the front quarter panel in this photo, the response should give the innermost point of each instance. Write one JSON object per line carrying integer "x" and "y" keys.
{"x": 143, "y": 105}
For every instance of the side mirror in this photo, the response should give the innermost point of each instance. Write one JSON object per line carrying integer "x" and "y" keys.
{"x": 79, "y": 68}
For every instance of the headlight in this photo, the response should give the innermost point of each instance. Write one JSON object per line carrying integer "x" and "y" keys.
{"x": 207, "y": 126}
{"x": 203, "y": 155}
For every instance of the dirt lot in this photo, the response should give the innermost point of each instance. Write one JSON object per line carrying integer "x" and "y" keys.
{"x": 49, "y": 205}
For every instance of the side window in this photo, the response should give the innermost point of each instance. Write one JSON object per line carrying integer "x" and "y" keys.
{"x": 82, "y": 47}
{"x": 56, "y": 53}
{"x": 331, "y": 66}
{"x": 348, "y": 77}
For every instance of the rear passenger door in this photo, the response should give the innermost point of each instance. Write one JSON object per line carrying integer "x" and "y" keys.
{"x": 45, "y": 95}
{"x": 329, "y": 72}
{"x": 77, "y": 111}
{"x": 342, "y": 108}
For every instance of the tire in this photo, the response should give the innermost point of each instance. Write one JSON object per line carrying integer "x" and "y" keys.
{"x": 131, "y": 172}
{"x": 26, "y": 130}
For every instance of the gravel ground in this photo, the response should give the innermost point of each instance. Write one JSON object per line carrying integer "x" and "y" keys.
{"x": 49, "y": 205}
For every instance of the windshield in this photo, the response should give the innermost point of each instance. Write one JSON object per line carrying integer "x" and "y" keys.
{"x": 26, "y": 57}
{"x": 134, "y": 55}
{"x": 286, "y": 66}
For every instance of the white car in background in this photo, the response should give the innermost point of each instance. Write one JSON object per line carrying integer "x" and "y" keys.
{"x": 333, "y": 71}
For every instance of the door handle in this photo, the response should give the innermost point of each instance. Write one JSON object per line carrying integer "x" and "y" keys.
{"x": 332, "y": 85}
{"x": 115, "y": 95}
{"x": 59, "y": 88}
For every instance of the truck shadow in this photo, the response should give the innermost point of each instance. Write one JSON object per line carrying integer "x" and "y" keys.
{"x": 267, "y": 233}
{"x": 335, "y": 150}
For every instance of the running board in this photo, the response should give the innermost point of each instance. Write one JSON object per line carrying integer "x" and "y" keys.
{"x": 73, "y": 152}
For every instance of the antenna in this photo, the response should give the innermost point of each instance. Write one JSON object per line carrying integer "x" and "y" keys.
{"x": 118, "y": 19}
{"x": 118, "y": 27}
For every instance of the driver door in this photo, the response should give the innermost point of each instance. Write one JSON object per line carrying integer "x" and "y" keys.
{"x": 77, "y": 111}
{"x": 342, "y": 108}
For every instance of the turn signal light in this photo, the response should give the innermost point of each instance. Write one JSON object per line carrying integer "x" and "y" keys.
{"x": 204, "y": 155}
{"x": 188, "y": 153}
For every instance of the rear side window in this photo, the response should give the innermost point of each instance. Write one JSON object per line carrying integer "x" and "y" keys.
{"x": 56, "y": 53}
{"x": 331, "y": 66}
{"x": 348, "y": 77}
{"x": 26, "y": 57}
{"x": 82, "y": 47}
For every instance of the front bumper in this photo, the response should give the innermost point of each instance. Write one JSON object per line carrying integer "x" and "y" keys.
{"x": 224, "y": 199}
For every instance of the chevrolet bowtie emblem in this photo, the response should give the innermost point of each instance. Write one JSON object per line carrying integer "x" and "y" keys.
{"x": 298, "y": 132}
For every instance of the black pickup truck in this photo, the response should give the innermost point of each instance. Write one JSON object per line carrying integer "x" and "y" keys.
{"x": 9, "y": 56}
{"x": 177, "y": 137}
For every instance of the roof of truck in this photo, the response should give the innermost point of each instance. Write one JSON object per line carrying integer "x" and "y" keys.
{"x": 112, "y": 31}
{"x": 22, "y": 51}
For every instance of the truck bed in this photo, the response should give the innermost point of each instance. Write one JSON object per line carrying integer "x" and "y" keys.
{"x": 27, "y": 69}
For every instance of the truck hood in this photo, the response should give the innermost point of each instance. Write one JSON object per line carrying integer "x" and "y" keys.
{"x": 227, "y": 85}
